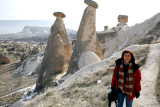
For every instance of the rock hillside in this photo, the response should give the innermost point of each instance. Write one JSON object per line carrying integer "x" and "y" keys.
{"x": 142, "y": 33}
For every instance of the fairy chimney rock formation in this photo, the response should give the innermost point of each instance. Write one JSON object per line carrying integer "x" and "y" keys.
{"x": 57, "y": 53}
{"x": 86, "y": 38}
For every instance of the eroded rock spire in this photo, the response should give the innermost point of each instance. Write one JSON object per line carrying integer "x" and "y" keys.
{"x": 57, "y": 53}
{"x": 86, "y": 37}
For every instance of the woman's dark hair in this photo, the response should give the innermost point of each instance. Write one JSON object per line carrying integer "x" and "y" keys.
{"x": 132, "y": 57}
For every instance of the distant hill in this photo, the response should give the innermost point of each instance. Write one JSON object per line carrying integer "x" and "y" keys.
{"x": 28, "y": 29}
{"x": 15, "y": 26}
{"x": 34, "y": 33}
{"x": 34, "y": 30}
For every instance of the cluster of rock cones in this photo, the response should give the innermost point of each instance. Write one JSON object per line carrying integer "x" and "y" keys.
{"x": 58, "y": 56}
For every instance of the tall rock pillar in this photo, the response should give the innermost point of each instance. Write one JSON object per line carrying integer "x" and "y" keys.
{"x": 86, "y": 37}
{"x": 57, "y": 53}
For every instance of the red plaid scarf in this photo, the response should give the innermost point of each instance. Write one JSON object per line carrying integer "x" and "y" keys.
{"x": 126, "y": 87}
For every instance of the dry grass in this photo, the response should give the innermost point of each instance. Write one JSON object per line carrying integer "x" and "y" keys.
{"x": 8, "y": 84}
{"x": 84, "y": 90}
{"x": 11, "y": 98}
{"x": 145, "y": 40}
{"x": 103, "y": 36}
{"x": 158, "y": 86}
{"x": 141, "y": 55}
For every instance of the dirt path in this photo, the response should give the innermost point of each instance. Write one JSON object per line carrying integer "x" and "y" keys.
{"x": 149, "y": 74}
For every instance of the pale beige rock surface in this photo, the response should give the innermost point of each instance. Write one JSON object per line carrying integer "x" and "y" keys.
{"x": 60, "y": 14}
{"x": 129, "y": 35}
{"x": 88, "y": 58}
{"x": 86, "y": 39}
{"x": 57, "y": 53}
{"x": 123, "y": 18}
{"x": 91, "y": 3}
{"x": 4, "y": 59}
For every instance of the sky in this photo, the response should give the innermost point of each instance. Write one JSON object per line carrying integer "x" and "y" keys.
{"x": 106, "y": 13}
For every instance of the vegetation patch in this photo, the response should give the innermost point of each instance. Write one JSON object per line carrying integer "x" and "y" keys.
{"x": 10, "y": 99}
{"x": 158, "y": 86}
{"x": 81, "y": 85}
{"x": 146, "y": 40}
{"x": 10, "y": 84}
{"x": 102, "y": 36}
{"x": 141, "y": 55}
{"x": 73, "y": 93}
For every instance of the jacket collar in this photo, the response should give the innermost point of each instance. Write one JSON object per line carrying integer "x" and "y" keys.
{"x": 119, "y": 61}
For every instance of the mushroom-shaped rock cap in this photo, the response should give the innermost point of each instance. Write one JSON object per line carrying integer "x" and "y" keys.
{"x": 56, "y": 14}
{"x": 91, "y": 3}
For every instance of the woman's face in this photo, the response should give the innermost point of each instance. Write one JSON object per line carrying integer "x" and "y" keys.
{"x": 127, "y": 57}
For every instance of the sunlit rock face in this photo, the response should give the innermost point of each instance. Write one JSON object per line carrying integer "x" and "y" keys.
{"x": 123, "y": 18}
{"x": 88, "y": 58}
{"x": 86, "y": 38}
{"x": 4, "y": 59}
{"x": 57, "y": 53}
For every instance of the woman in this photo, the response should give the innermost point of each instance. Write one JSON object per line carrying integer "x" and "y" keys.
{"x": 126, "y": 79}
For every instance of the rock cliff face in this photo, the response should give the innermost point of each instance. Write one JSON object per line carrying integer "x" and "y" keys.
{"x": 57, "y": 53}
{"x": 86, "y": 38}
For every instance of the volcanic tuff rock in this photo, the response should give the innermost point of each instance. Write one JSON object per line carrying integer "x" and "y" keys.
{"x": 91, "y": 3}
{"x": 86, "y": 39}
{"x": 4, "y": 59}
{"x": 123, "y": 18}
{"x": 88, "y": 58}
{"x": 140, "y": 33}
{"x": 35, "y": 51}
{"x": 57, "y": 53}
{"x": 60, "y": 14}
{"x": 105, "y": 28}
